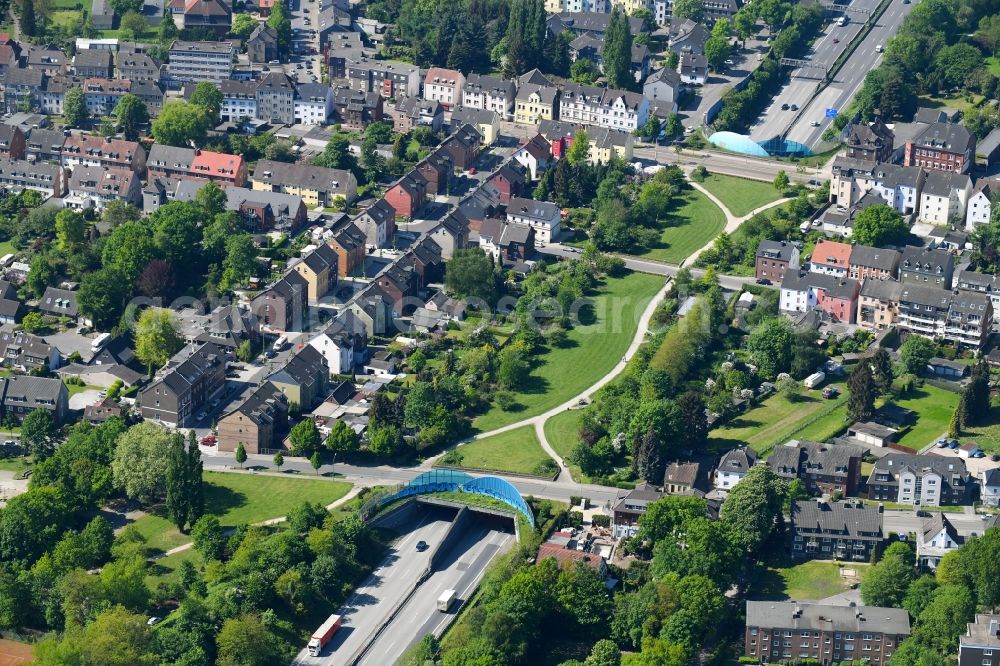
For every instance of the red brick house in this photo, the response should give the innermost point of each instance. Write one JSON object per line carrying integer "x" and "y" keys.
{"x": 349, "y": 243}
{"x": 510, "y": 180}
{"x": 463, "y": 146}
{"x": 436, "y": 169}
{"x": 400, "y": 284}
{"x": 408, "y": 195}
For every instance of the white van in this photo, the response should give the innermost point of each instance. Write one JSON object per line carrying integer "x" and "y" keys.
{"x": 280, "y": 344}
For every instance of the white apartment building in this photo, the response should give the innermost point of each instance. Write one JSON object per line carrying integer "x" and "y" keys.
{"x": 201, "y": 61}
{"x": 313, "y": 104}
{"x": 944, "y": 197}
{"x": 490, "y": 94}
{"x": 444, "y": 86}
{"x": 980, "y": 206}
{"x": 542, "y": 216}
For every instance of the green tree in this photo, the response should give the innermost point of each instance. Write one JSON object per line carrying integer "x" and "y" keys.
{"x": 666, "y": 516}
{"x": 208, "y": 537}
{"x": 132, "y": 25}
{"x": 753, "y": 507}
{"x": 139, "y": 465}
{"x": 781, "y": 181}
{"x": 945, "y": 617}
{"x": 282, "y": 24}
{"x": 157, "y": 337}
{"x": 305, "y": 437}
{"x": 74, "y": 107}
{"x": 181, "y": 124}
{"x": 243, "y": 25}
{"x": 102, "y": 296}
{"x": 383, "y": 441}
{"x": 579, "y": 151}
{"x": 716, "y": 53}
{"x": 861, "y": 393}
{"x": 122, "y": 7}
{"x": 316, "y": 461}
{"x": 882, "y": 373}
{"x": 513, "y": 368}
{"x": 880, "y": 225}
{"x": 278, "y": 460}
{"x": 71, "y": 230}
{"x": 342, "y": 439}
{"x": 689, "y": 9}
{"x": 39, "y": 432}
{"x": 246, "y": 641}
{"x": 241, "y": 454}
{"x": 211, "y": 199}
{"x": 471, "y": 274}
{"x": 915, "y": 352}
{"x": 887, "y": 582}
{"x": 617, "y": 52}
{"x": 131, "y": 114}
{"x": 208, "y": 96}
{"x": 177, "y": 502}
{"x": 27, "y": 22}
{"x": 771, "y": 347}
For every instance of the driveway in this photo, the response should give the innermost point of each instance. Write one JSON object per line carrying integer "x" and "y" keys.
{"x": 976, "y": 466}
{"x": 87, "y": 397}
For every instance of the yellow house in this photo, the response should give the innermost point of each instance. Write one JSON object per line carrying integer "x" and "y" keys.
{"x": 319, "y": 268}
{"x": 316, "y": 186}
{"x": 486, "y": 122}
{"x": 606, "y": 142}
{"x": 630, "y": 7}
{"x": 535, "y": 103}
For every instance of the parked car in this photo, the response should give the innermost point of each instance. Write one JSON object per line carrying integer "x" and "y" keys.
{"x": 763, "y": 281}
{"x": 830, "y": 392}
{"x": 942, "y": 442}
{"x": 208, "y": 440}
{"x": 923, "y": 514}
{"x": 953, "y": 444}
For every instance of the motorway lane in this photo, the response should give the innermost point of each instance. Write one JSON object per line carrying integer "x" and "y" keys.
{"x": 370, "y": 605}
{"x": 463, "y": 569}
{"x": 851, "y": 76}
{"x": 802, "y": 82}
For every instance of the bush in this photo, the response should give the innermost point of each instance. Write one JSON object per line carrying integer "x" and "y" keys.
{"x": 453, "y": 457}
{"x": 505, "y": 400}
{"x": 601, "y": 520}
{"x": 546, "y": 468}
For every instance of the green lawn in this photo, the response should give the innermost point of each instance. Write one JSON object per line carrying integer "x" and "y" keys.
{"x": 73, "y": 389}
{"x": 16, "y": 465}
{"x": 594, "y": 346}
{"x": 692, "y": 226}
{"x": 817, "y": 579}
{"x": 562, "y": 432}
{"x": 7, "y": 247}
{"x": 776, "y": 420}
{"x": 243, "y": 498}
{"x": 740, "y": 195}
{"x": 164, "y": 569}
{"x": 993, "y": 63}
{"x": 515, "y": 451}
{"x": 934, "y": 407}
{"x": 958, "y": 102}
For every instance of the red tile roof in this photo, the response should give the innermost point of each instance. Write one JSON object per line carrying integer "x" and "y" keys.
{"x": 831, "y": 253}
{"x": 207, "y": 163}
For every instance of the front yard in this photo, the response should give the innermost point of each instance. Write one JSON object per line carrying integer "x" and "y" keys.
{"x": 242, "y": 498}
{"x": 740, "y": 195}
{"x": 595, "y": 345}
{"x": 517, "y": 451}
{"x": 933, "y": 408}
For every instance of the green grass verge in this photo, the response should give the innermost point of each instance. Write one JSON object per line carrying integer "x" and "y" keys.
{"x": 694, "y": 224}
{"x": 740, "y": 195}
{"x": 777, "y": 420}
{"x": 896, "y": 506}
{"x": 517, "y": 451}
{"x": 933, "y": 407}
{"x": 165, "y": 569}
{"x": 594, "y": 346}
{"x": 562, "y": 432}
{"x": 242, "y": 498}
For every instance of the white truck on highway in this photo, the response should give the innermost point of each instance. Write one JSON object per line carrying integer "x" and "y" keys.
{"x": 323, "y": 635}
{"x": 445, "y": 601}
{"x": 842, "y": 21}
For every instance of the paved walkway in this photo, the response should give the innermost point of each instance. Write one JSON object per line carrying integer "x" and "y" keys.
{"x": 539, "y": 421}
{"x": 732, "y": 222}
{"x": 351, "y": 494}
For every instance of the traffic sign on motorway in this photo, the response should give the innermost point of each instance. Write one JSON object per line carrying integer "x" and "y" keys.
{"x": 831, "y": 113}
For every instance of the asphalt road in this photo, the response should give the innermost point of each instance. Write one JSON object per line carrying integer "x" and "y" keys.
{"x": 461, "y": 571}
{"x": 841, "y": 91}
{"x": 304, "y": 36}
{"x": 726, "y": 163}
{"x": 372, "y": 602}
{"x": 802, "y": 82}
{"x": 704, "y": 97}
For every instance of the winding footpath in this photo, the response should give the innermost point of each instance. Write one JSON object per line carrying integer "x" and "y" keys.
{"x": 733, "y": 222}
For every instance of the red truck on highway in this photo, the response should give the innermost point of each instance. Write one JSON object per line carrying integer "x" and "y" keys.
{"x": 323, "y": 635}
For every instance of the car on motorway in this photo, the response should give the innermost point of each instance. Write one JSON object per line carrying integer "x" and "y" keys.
{"x": 784, "y": 107}
{"x": 814, "y": 123}
{"x": 421, "y": 546}
{"x": 795, "y": 107}
{"x": 836, "y": 40}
